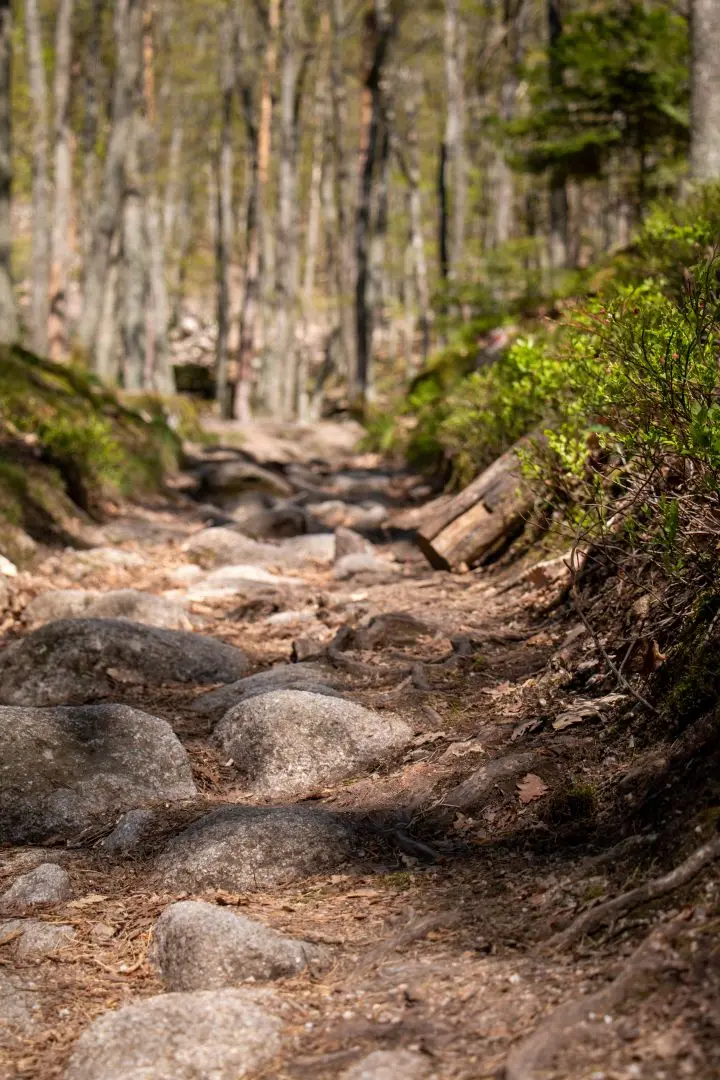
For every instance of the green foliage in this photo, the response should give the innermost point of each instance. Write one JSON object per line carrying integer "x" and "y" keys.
{"x": 615, "y": 82}
{"x": 81, "y": 429}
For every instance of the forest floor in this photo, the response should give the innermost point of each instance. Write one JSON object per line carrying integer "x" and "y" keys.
{"x": 496, "y": 828}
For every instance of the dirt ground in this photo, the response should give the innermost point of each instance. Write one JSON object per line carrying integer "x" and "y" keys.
{"x": 445, "y": 932}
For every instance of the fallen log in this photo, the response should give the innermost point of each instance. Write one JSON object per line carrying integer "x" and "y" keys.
{"x": 466, "y": 530}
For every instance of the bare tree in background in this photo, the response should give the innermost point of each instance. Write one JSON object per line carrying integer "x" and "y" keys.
{"x": 557, "y": 194}
{"x": 128, "y": 53}
{"x": 705, "y": 120}
{"x": 454, "y": 142}
{"x": 58, "y": 328}
{"x": 8, "y": 312}
{"x": 40, "y": 284}
{"x": 224, "y": 215}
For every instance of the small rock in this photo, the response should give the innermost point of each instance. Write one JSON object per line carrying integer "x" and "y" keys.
{"x": 19, "y": 1006}
{"x": 390, "y": 1065}
{"x": 307, "y": 649}
{"x": 283, "y": 676}
{"x": 184, "y": 575}
{"x": 37, "y": 939}
{"x": 230, "y": 580}
{"x": 102, "y": 932}
{"x": 199, "y": 946}
{"x": 45, "y": 885}
{"x": 227, "y": 478}
{"x": 360, "y": 563}
{"x": 130, "y": 604}
{"x": 289, "y": 618}
{"x": 245, "y": 848}
{"x": 76, "y": 660}
{"x": 9, "y": 569}
{"x": 349, "y": 542}
{"x": 130, "y": 830}
{"x": 78, "y": 564}
{"x": 276, "y": 524}
{"x": 291, "y": 742}
{"x": 213, "y": 1035}
{"x": 96, "y": 761}
{"x": 315, "y": 547}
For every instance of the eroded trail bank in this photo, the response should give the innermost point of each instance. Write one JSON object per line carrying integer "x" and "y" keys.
{"x": 280, "y": 800}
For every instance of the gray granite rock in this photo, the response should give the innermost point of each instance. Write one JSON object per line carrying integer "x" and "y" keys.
{"x": 291, "y": 742}
{"x": 71, "y": 661}
{"x": 130, "y": 604}
{"x": 349, "y": 566}
{"x": 96, "y": 761}
{"x": 200, "y": 946}
{"x": 246, "y": 848}
{"x": 216, "y": 703}
{"x": 390, "y": 1065}
{"x": 129, "y": 832}
{"x": 207, "y": 1035}
{"x": 34, "y": 939}
{"x": 44, "y": 886}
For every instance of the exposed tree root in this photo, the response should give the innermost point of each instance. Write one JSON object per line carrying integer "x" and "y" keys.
{"x": 538, "y": 1050}
{"x": 651, "y": 890}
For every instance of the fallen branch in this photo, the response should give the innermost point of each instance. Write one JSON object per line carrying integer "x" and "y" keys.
{"x": 651, "y": 890}
{"x": 538, "y": 1051}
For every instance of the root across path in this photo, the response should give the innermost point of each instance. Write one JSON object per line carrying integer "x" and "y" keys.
{"x": 281, "y": 799}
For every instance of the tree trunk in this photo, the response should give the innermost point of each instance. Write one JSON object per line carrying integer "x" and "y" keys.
{"x": 287, "y": 279}
{"x": 224, "y": 230}
{"x": 455, "y": 136}
{"x": 503, "y": 181}
{"x": 705, "y": 115}
{"x": 442, "y": 197}
{"x": 58, "y": 328}
{"x": 266, "y": 261}
{"x": 415, "y": 214}
{"x": 128, "y": 38}
{"x": 172, "y": 188}
{"x": 135, "y": 270}
{"x": 90, "y": 127}
{"x": 380, "y": 27}
{"x": 107, "y": 348}
{"x": 557, "y": 192}
{"x": 8, "y": 311}
{"x": 40, "y": 284}
{"x": 342, "y": 196}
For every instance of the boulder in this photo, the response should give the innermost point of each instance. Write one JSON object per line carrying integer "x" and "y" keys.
{"x": 199, "y": 946}
{"x": 231, "y": 580}
{"x": 20, "y": 1007}
{"x": 216, "y": 703}
{"x": 349, "y": 542}
{"x": 208, "y": 1035}
{"x": 65, "y": 769}
{"x": 226, "y": 547}
{"x": 130, "y": 604}
{"x": 46, "y": 885}
{"x": 291, "y": 742}
{"x": 245, "y": 848}
{"x": 228, "y": 478}
{"x": 79, "y": 564}
{"x": 33, "y": 939}
{"x": 77, "y": 660}
{"x": 390, "y": 1065}
{"x": 274, "y": 524}
{"x": 315, "y": 547}
{"x": 349, "y": 566}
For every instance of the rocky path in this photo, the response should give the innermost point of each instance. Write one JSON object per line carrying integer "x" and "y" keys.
{"x": 278, "y": 800}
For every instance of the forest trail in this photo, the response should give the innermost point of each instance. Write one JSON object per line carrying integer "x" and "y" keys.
{"x": 427, "y": 848}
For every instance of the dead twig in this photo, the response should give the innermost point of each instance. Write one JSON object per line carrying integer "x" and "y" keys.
{"x": 651, "y": 890}
{"x": 566, "y": 1023}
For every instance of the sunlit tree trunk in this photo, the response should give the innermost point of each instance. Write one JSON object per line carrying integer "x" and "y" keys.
{"x": 58, "y": 329}
{"x": 266, "y": 236}
{"x": 557, "y": 189}
{"x": 91, "y": 95}
{"x": 40, "y": 274}
{"x": 415, "y": 216}
{"x": 171, "y": 199}
{"x": 8, "y": 311}
{"x": 705, "y": 118}
{"x": 128, "y": 39}
{"x": 135, "y": 273}
{"x": 343, "y": 194}
{"x": 454, "y": 142}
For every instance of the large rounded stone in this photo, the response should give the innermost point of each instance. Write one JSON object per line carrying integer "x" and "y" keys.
{"x": 215, "y": 703}
{"x": 207, "y": 1035}
{"x": 233, "y": 477}
{"x": 64, "y": 769}
{"x": 77, "y": 660}
{"x": 130, "y": 604}
{"x": 291, "y": 742}
{"x": 245, "y": 848}
{"x": 390, "y": 1065}
{"x": 33, "y": 939}
{"x": 199, "y": 946}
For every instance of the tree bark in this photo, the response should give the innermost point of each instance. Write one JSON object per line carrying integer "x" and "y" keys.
{"x": 135, "y": 270}
{"x": 58, "y": 328}
{"x": 171, "y": 198}
{"x": 705, "y": 113}
{"x": 342, "y": 196}
{"x": 455, "y": 136}
{"x": 128, "y": 45}
{"x": 223, "y": 228}
{"x": 266, "y": 259}
{"x": 40, "y": 274}
{"x": 557, "y": 188}
{"x": 415, "y": 215}
{"x": 90, "y": 126}
{"x": 380, "y": 27}
{"x": 8, "y": 311}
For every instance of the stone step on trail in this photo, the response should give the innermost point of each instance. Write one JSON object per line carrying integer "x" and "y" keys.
{"x": 80, "y": 660}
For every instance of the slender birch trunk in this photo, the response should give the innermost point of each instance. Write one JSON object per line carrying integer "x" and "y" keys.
{"x": 705, "y": 113}
{"x": 58, "y": 327}
{"x": 8, "y": 311}
{"x": 343, "y": 195}
{"x": 415, "y": 215}
{"x": 40, "y": 273}
{"x": 223, "y": 231}
{"x": 266, "y": 237}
